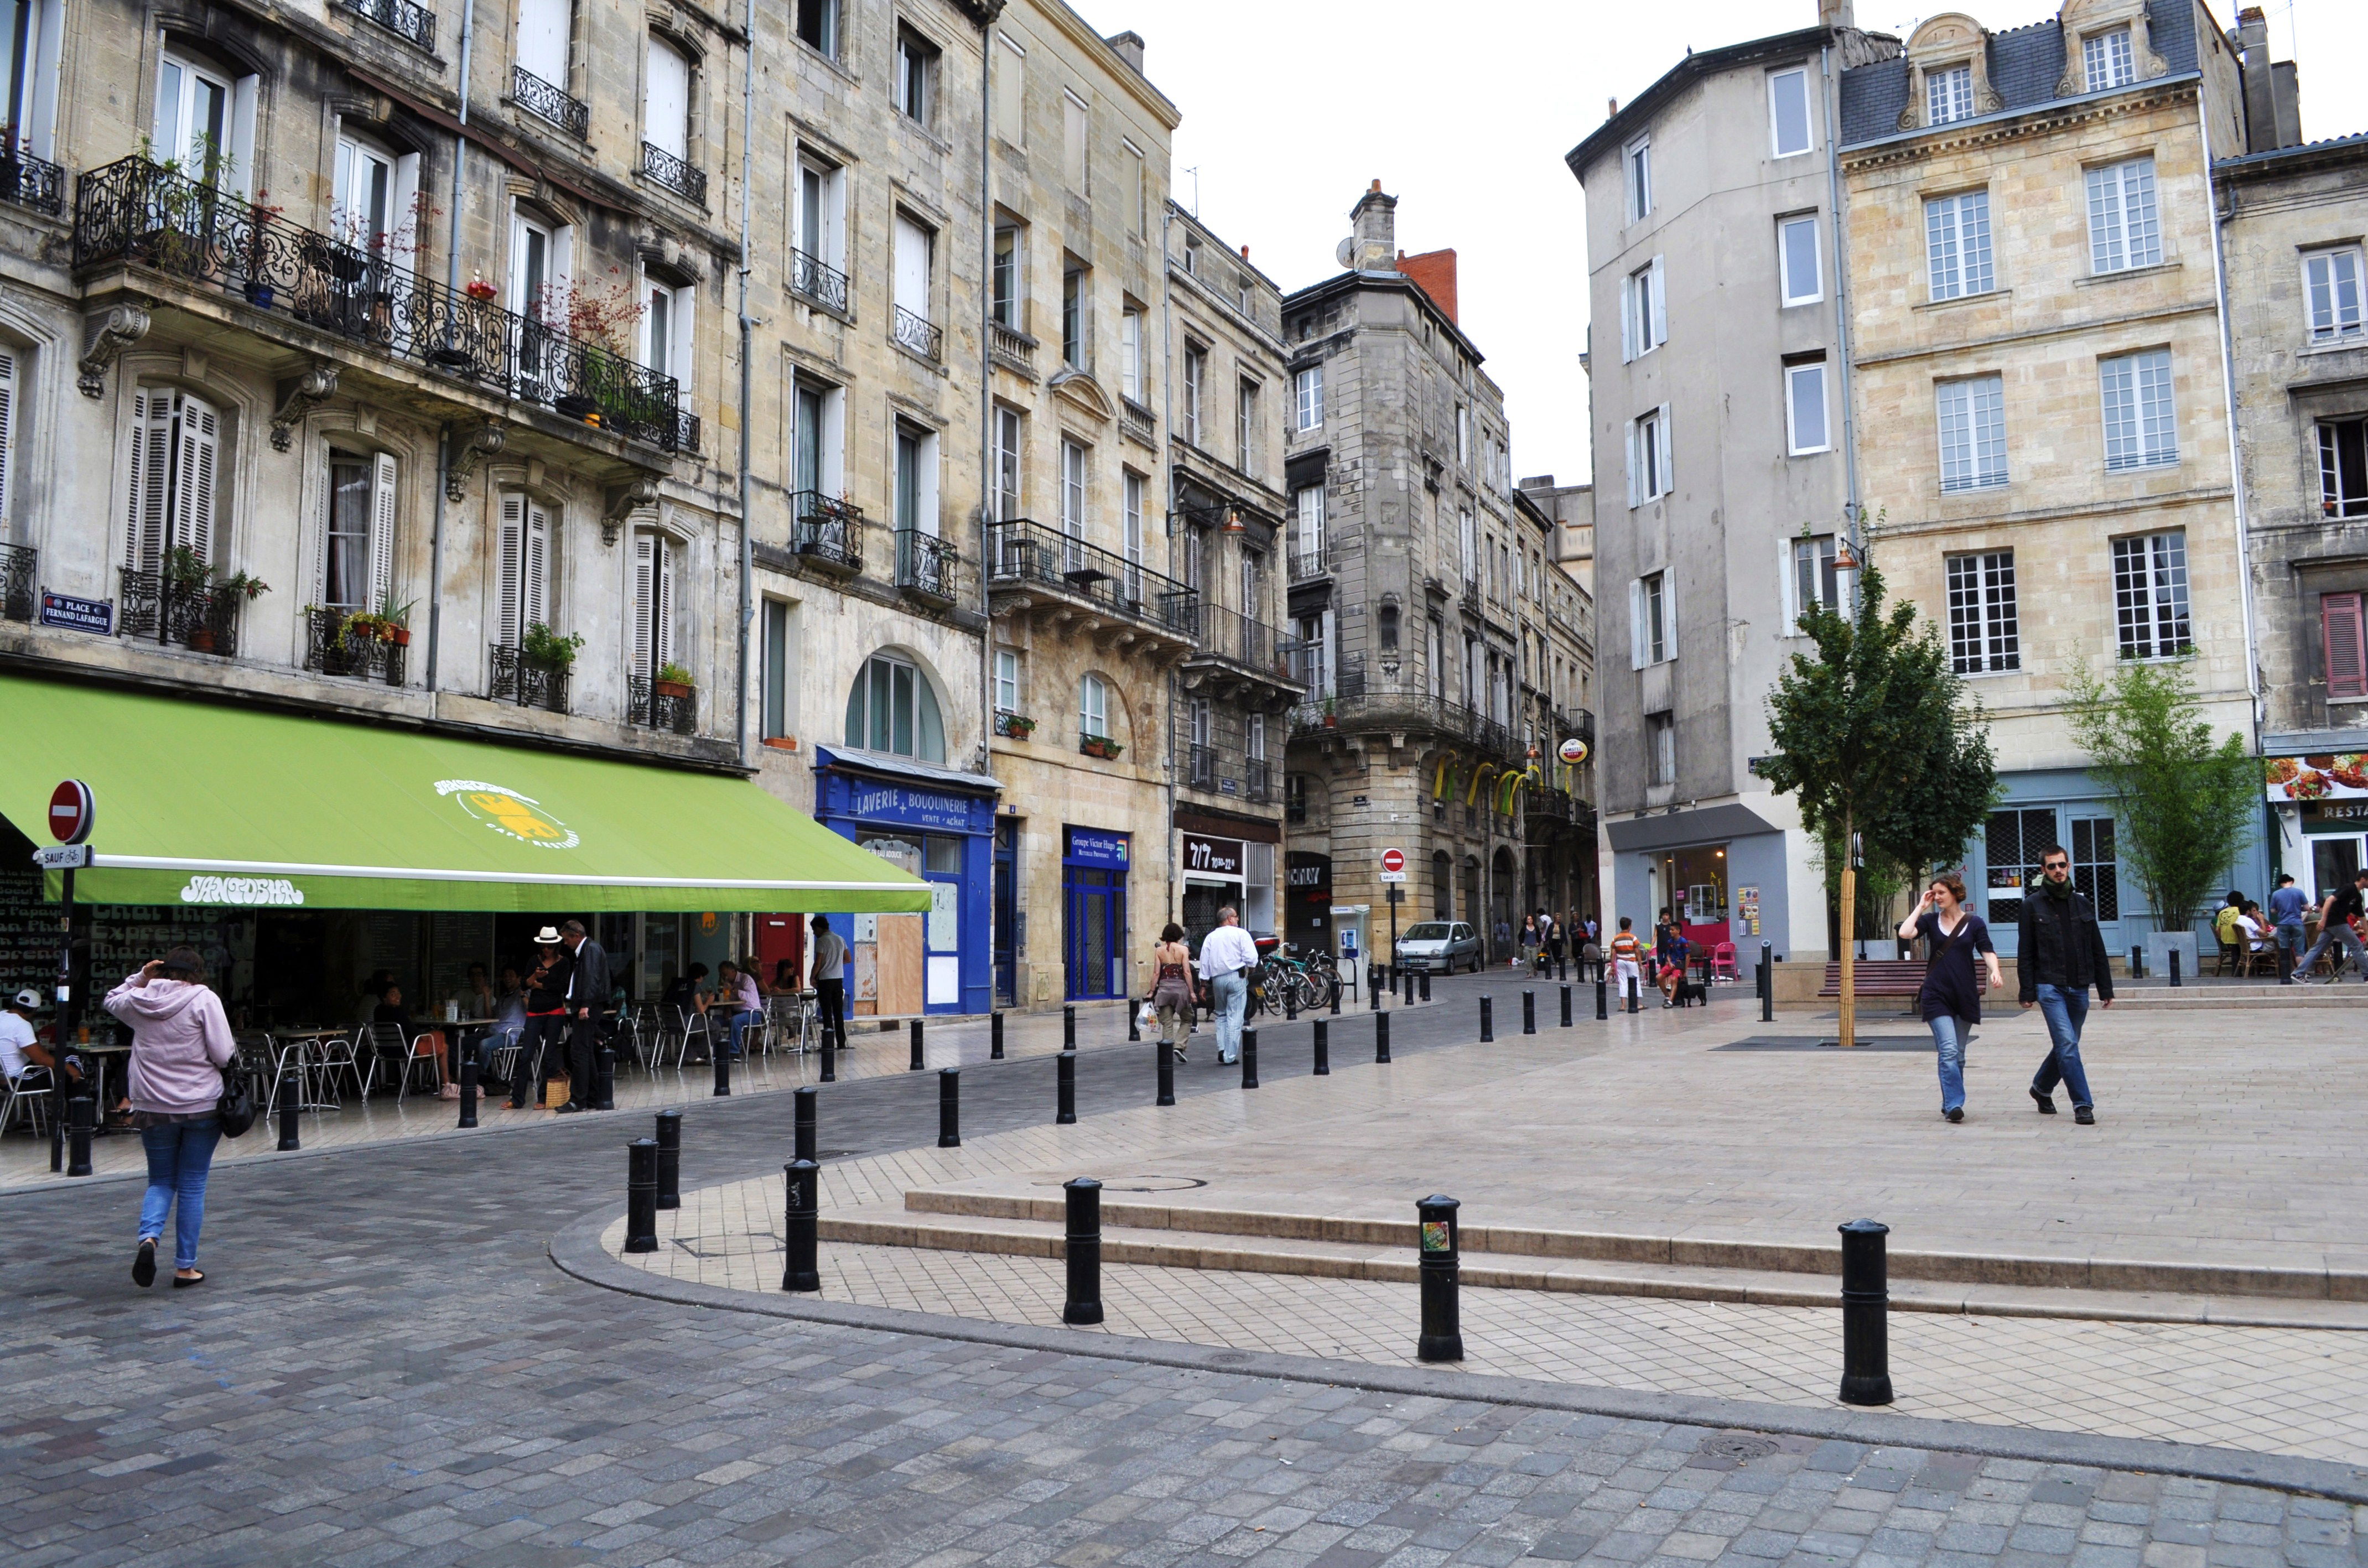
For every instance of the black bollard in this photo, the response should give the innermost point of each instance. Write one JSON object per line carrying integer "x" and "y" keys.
{"x": 1067, "y": 1102}
{"x": 800, "y": 1271}
{"x": 604, "y": 1077}
{"x": 1134, "y": 1023}
{"x": 81, "y": 1118}
{"x": 469, "y": 1091}
{"x": 1372, "y": 991}
{"x": 1566, "y": 1006}
{"x": 807, "y": 1133}
{"x": 1407, "y": 976}
{"x": 1323, "y": 1048}
{"x": 950, "y": 1107}
{"x": 1426, "y": 985}
{"x": 1084, "y": 1250}
{"x": 918, "y": 1063}
{"x": 1488, "y": 1020}
{"x": 1601, "y": 1010}
{"x": 1528, "y": 1011}
{"x": 1382, "y": 1038}
{"x": 1562, "y": 968}
{"x": 1633, "y": 982}
{"x": 1866, "y": 1343}
{"x": 1249, "y": 1058}
{"x": 1442, "y": 1330}
{"x": 2174, "y": 965}
{"x": 291, "y": 1091}
{"x": 829, "y": 1070}
{"x": 1166, "y": 1073}
{"x": 1336, "y": 995}
{"x": 2137, "y": 961}
{"x": 669, "y": 1147}
{"x": 722, "y": 1055}
{"x": 994, "y": 1037}
{"x": 1068, "y": 1027}
{"x": 1767, "y": 986}
{"x": 641, "y": 1196}
{"x": 1290, "y": 1003}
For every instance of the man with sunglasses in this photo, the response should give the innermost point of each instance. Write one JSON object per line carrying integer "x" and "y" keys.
{"x": 2060, "y": 955}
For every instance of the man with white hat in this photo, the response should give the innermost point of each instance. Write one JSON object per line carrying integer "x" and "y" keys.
{"x": 18, "y": 1048}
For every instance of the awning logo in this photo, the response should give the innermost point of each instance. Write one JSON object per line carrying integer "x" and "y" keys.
{"x": 252, "y": 890}
{"x": 509, "y": 813}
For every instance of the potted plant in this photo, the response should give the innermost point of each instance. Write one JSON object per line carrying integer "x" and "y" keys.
{"x": 1018, "y": 726}
{"x": 394, "y": 621}
{"x": 672, "y": 680}
{"x": 1102, "y": 746}
{"x": 1331, "y": 717}
{"x": 544, "y": 649}
{"x": 247, "y": 587}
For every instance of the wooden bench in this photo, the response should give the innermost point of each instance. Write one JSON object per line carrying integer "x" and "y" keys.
{"x": 1877, "y": 977}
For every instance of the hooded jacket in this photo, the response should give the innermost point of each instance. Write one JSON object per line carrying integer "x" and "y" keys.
{"x": 180, "y": 1043}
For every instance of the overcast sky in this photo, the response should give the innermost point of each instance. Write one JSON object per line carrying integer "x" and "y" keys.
{"x": 1463, "y": 111}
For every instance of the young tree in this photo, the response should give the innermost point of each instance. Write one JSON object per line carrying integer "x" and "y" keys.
{"x": 2183, "y": 802}
{"x": 1870, "y": 735}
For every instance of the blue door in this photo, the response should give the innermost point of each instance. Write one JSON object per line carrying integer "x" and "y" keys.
{"x": 1097, "y": 929}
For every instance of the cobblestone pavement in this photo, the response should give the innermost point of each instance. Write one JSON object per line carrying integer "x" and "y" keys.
{"x": 385, "y": 1369}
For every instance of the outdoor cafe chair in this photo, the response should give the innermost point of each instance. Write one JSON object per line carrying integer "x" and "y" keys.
{"x": 30, "y": 1093}
{"x": 693, "y": 1023}
{"x": 1722, "y": 962}
{"x": 404, "y": 1054}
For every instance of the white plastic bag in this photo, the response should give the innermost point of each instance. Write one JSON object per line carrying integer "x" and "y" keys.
{"x": 1146, "y": 1018}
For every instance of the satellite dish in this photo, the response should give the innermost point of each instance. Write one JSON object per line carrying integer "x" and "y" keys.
{"x": 1345, "y": 253}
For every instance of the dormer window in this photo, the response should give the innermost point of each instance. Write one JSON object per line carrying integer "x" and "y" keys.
{"x": 2109, "y": 61}
{"x": 1948, "y": 94}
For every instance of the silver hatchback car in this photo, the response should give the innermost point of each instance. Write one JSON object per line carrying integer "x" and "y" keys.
{"x": 1439, "y": 947}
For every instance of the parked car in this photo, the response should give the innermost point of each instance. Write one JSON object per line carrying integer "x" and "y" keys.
{"x": 1439, "y": 947}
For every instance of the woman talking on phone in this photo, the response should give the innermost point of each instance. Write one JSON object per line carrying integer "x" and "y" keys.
{"x": 180, "y": 1043}
{"x": 1950, "y": 1001}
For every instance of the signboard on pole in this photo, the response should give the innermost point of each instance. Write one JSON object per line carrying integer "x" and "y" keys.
{"x": 1393, "y": 866}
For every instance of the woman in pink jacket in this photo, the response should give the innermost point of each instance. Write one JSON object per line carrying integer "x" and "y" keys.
{"x": 180, "y": 1043}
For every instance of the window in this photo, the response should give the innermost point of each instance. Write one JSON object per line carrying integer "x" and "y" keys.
{"x": 917, "y": 77}
{"x": 1307, "y": 529}
{"x": 893, "y": 708}
{"x": 1008, "y": 504}
{"x": 1011, "y": 91}
{"x": 8, "y": 431}
{"x": 176, "y": 465}
{"x": 665, "y": 100}
{"x": 779, "y": 681}
{"x": 1433, "y": 658}
{"x": 2150, "y": 595}
{"x": 374, "y": 201}
{"x": 2141, "y": 427}
{"x": 1661, "y": 748}
{"x": 1196, "y": 374}
{"x": 817, "y": 432}
{"x": 1957, "y": 244}
{"x": 2094, "y": 873}
{"x": 1973, "y": 434}
{"x": 1137, "y": 173}
{"x": 916, "y": 247}
{"x": 2107, "y": 60}
{"x": 1639, "y": 161}
{"x": 1307, "y": 397}
{"x": 916, "y": 478}
{"x": 1816, "y": 582}
{"x": 1805, "y": 408}
{"x": 1983, "y": 634}
{"x": 28, "y": 117}
{"x": 1073, "y": 490}
{"x": 1797, "y": 248}
{"x": 1644, "y": 316}
{"x": 523, "y": 588}
{"x": 654, "y": 573}
{"x": 1788, "y": 112}
{"x": 1130, "y": 502}
{"x": 205, "y": 122}
{"x": 1246, "y": 428}
{"x": 2331, "y": 284}
{"x": 2345, "y": 631}
{"x": 1462, "y": 435}
{"x": 1649, "y": 613}
{"x": 1132, "y": 380}
{"x": 665, "y": 330}
{"x": 1074, "y": 120}
{"x": 2013, "y": 845}
{"x": 1650, "y": 470}
{"x": 358, "y": 536}
{"x": 821, "y": 234}
{"x": 1191, "y": 254}
{"x": 1468, "y": 536}
{"x": 2343, "y": 468}
{"x": 1253, "y": 571}
{"x": 2123, "y": 230}
{"x": 1006, "y": 680}
{"x": 1004, "y": 278}
{"x": 544, "y": 28}
{"x": 1093, "y": 706}
{"x": 1072, "y": 312}
{"x": 540, "y": 286}
{"x": 1949, "y": 94}
{"x": 818, "y": 24}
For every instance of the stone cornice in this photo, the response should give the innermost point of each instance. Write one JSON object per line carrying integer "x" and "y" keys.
{"x": 2020, "y": 125}
{"x": 2040, "y": 515}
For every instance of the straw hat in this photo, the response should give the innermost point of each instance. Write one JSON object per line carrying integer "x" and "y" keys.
{"x": 547, "y": 937}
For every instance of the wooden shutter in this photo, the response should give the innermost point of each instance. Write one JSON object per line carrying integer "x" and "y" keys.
{"x": 381, "y": 538}
{"x": 7, "y": 423}
{"x": 193, "y": 501}
{"x": 510, "y": 628}
{"x": 534, "y": 578}
{"x": 645, "y": 593}
{"x": 2347, "y": 654}
{"x": 1628, "y": 349}
{"x": 152, "y": 473}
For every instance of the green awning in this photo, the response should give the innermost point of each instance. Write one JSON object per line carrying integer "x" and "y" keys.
{"x": 200, "y": 803}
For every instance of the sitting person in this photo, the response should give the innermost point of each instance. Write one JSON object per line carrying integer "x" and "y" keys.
{"x": 20, "y": 1048}
{"x": 2255, "y": 933}
{"x": 686, "y": 992}
{"x": 737, "y": 993}
{"x": 391, "y": 1010}
{"x": 785, "y": 978}
{"x": 508, "y": 1012}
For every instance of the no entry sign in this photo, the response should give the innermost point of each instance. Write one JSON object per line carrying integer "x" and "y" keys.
{"x": 70, "y": 811}
{"x": 1393, "y": 865}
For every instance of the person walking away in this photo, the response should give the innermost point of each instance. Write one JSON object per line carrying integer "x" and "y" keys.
{"x": 2343, "y": 905}
{"x": 546, "y": 1018}
{"x": 587, "y": 994}
{"x": 2287, "y": 906}
{"x": 2059, "y": 954}
{"x": 830, "y": 979}
{"x": 1228, "y": 955}
{"x": 1171, "y": 988}
{"x": 1626, "y": 951}
{"x": 1558, "y": 940}
{"x": 1950, "y": 1001}
{"x": 180, "y": 1043}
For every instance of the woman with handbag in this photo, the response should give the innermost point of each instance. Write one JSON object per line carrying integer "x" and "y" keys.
{"x": 1950, "y": 1001}
{"x": 180, "y": 1044}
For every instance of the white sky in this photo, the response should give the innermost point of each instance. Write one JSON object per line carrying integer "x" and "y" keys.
{"x": 1464, "y": 111}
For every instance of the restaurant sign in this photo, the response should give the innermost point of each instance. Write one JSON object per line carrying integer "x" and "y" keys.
{"x": 509, "y": 814}
{"x": 249, "y": 890}
{"x": 2332, "y": 776}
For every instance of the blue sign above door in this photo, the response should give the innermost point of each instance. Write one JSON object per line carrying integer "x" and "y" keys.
{"x": 1093, "y": 847}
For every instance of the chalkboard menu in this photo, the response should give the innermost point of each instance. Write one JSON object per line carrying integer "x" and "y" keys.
{"x": 29, "y": 934}
{"x": 125, "y": 936}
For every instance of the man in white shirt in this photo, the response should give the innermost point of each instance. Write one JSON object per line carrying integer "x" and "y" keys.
{"x": 18, "y": 1050}
{"x": 1228, "y": 955}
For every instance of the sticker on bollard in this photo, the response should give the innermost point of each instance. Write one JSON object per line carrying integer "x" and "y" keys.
{"x": 1442, "y": 1326}
{"x": 641, "y": 1196}
{"x": 1249, "y": 1058}
{"x": 802, "y": 1270}
{"x": 808, "y": 1134}
{"x": 1083, "y": 1246}
{"x": 950, "y": 1107}
{"x": 994, "y": 1037}
{"x": 1323, "y": 1048}
{"x": 1066, "y": 1089}
{"x": 669, "y": 1167}
{"x": 1866, "y": 1301}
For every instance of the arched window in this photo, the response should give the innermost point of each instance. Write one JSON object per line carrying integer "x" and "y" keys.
{"x": 892, "y": 708}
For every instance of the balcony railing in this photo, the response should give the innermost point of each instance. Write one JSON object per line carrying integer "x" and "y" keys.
{"x": 818, "y": 281}
{"x": 686, "y": 431}
{"x": 922, "y": 336}
{"x": 18, "y": 594}
{"x": 1201, "y": 768}
{"x": 528, "y": 685}
{"x": 1013, "y": 726}
{"x": 194, "y": 615}
{"x": 400, "y": 17}
{"x": 333, "y": 650}
{"x": 827, "y": 531}
{"x": 925, "y": 565}
{"x": 1252, "y": 644}
{"x": 542, "y": 100}
{"x": 32, "y": 182}
{"x": 1011, "y": 348}
{"x": 645, "y": 705}
{"x": 137, "y": 212}
{"x": 1022, "y": 553}
{"x": 1307, "y": 564}
{"x": 1258, "y": 780}
{"x": 1136, "y": 422}
{"x": 1354, "y": 706}
{"x": 673, "y": 173}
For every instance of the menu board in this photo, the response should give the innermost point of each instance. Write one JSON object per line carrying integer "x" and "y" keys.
{"x": 29, "y": 934}
{"x": 125, "y": 936}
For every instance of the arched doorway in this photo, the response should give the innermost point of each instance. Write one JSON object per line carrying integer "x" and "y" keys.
{"x": 1503, "y": 886}
{"x": 1443, "y": 885}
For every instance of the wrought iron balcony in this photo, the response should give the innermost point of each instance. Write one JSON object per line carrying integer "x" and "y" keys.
{"x": 139, "y": 212}
{"x": 168, "y": 611}
{"x": 18, "y": 594}
{"x": 1011, "y": 348}
{"x": 818, "y": 281}
{"x": 542, "y": 100}
{"x": 1201, "y": 768}
{"x": 1013, "y": 726}
{"x": 401, "y": 17}
{"x": 922, "y": 336}
{"x": 674, "y": 174}
{"x": 1136, "y": 422}
{"x": 1249, "y": 644}
{"x": 1258, "y": 780}
{"x": 827, "y": 533}
{"x": 648, "y": 706}
{"x": 1022, "y": 554}
{"x": 686, "y": 431}
{"x": 36, "y": 183}
{"x": 925, "y": 565}
{"x": 515, "y": 679}
{"x": 332, "y": 650}
{"x": 1309, "y": 563}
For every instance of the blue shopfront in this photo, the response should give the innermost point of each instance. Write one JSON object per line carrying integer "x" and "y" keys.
{"x": 1094, "y": 864}
{"x": 939, "y": 825}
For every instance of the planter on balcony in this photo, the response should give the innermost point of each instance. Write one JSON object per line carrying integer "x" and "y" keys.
{"x": 678, "y": 690}
{"x": 1102, "y": 746}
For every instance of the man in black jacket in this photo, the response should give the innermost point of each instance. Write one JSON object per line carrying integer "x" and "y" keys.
{"x": 587, "y": 997}
{"x": 2060, "y": 955}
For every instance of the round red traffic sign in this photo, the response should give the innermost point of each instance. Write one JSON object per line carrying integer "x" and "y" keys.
{"x": 1393, "y": 860}
{"x": 70, "y": 811}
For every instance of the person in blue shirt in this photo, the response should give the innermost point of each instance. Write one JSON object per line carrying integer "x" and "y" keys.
{"x": 2287, "y": 906}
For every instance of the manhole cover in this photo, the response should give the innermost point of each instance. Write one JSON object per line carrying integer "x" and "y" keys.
{"x": 1741, "y": 1448}
{"x": 1137, "y": 1183}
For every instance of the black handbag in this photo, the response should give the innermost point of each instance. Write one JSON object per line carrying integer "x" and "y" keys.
{"x": 235, "y": 1111}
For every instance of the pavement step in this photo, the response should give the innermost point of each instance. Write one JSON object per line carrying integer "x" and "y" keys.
{"x": 1395, "y": 1262}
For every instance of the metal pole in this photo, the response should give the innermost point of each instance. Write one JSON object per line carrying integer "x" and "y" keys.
{"x": 1249, "y": 1058}
{"x": 292, "y": 1092}
{"x": 469, "y": 1090}
{"x": 1067, "y": 1090}
{"x": 918, "y": 1063}
{"x": 994, "y": 1037}
{"x": 830, "y": 1057}
{"x": 641, "y": 1196}
{"x": 669, "y": 1167}
{"x": 949, "y": 1107}
{"x": 1323, "y": 1048}
{"x": 805, "y": 1122}
{"x": 1166, "y": 1073}
{"x": 1382, "y": 1038}
{"x": 800, "y": 1270}
{"x": 1866, "y": 1301}
{"x": 69, "y": 1015}
{"x": 1442, "y": 1332}
{"x": 1084, "y": 1250}
{"x": 1336, "y": 995}
{"x": 1426, "y": 985}
{"x": 1767, "y": 985}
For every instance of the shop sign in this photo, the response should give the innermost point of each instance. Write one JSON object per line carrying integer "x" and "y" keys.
{"x": 901, "y": 803}
{"x": 1311, "y": 873}
{"x": 250, "y": 890}
{"x": 2332, "y": 776}
{"x": 1212, "y": 856}
{"x": 1091, "y": 847}
{"x": 2335, "y": 816}
{"x": 70, "y": 614}
{"x": 507, "y": 813}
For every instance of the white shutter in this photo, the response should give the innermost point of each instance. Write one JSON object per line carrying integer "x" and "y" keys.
{"x": 1636, "y": 623}
{"x": 666, "y": 106}
{"x": 7, "y": 425}
{"x": 143, "y": 539}
{"x": 324, "y": 490}
{"x": 1660, "y": 304}
{"x": 193, "y": 520}
{"x": 508, "y": 626}
{"x": 1670, "y": 612}
{"x": 912, "y": 268}
{"x": 542, "y": 40}
{"x": 1667, "y": 445}
{"x": 535, "y": 577}
{"x": 1635, "y": 480}
{"x": 1627, "y": 319}
{"x": 645, "y": 593}
{"x": 381, "y": 539}
{"x": 403, "y": 218}
{"x": 662, "y": 564}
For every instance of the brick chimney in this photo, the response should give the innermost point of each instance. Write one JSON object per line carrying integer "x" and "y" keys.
{"x": 1376, "y": 242}
{"x": 1129, "y": 47}
{"x": 1434, "y": 273}
{"x": 1835, "y": 14}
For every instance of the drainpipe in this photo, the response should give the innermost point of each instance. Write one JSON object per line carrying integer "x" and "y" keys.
{"x": 986, "y": 408}
{"x": 1167, "y": 488}
{"x": 1841, "y": 304}
{"x": 2236, "y": 451}
{"x": 453, "y": 283}
{"x": 748, "y": 334}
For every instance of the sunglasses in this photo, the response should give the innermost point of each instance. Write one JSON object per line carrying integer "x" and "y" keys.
{"x": 2054, "y": 865}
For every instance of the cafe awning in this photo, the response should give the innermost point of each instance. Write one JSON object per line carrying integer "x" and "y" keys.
{"x": 201, "y": 802}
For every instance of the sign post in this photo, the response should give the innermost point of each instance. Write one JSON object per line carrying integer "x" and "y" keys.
{"x": 71, "y": 813}
{"x": 1392, "y": 875}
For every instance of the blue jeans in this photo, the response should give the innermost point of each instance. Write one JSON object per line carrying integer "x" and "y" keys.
{"x": 2336, "y": 931}
{"x": 1950, "y": 1035}
{"x": 1229, "y": 993}
{"x": 179, "y": 1155}
{"x": 2065, "y": 1009}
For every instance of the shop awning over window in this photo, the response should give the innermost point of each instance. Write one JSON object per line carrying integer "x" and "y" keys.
{"x": 200, "y": 802}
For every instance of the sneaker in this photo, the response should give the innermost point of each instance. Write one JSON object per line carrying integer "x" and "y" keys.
{"x": 2046, "y": 1103}
{"x": 1954, "y": 1113}
{"x": 2084, "y": 1115}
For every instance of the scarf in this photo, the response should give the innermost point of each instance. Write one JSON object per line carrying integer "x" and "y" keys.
{"x": 2057, "y": 890}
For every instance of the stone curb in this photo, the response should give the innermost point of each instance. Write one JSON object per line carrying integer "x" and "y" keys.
{"x": 577, "y": 1251}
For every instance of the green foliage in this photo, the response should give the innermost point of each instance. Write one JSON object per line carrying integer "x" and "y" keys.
{"x": 391, "y": 613}
{"x": 183, "y": 564}
{"x": 675, "y": 675}
{"x": 2183, "y": 803}
{"x": 546, "y": 650}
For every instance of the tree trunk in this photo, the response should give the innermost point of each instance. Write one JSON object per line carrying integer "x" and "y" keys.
{"x": 1849, "y": 935}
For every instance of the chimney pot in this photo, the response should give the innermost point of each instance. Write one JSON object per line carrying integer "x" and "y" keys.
{"x": 1246, "y": 253}
{"x": 1375, "y": 188}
